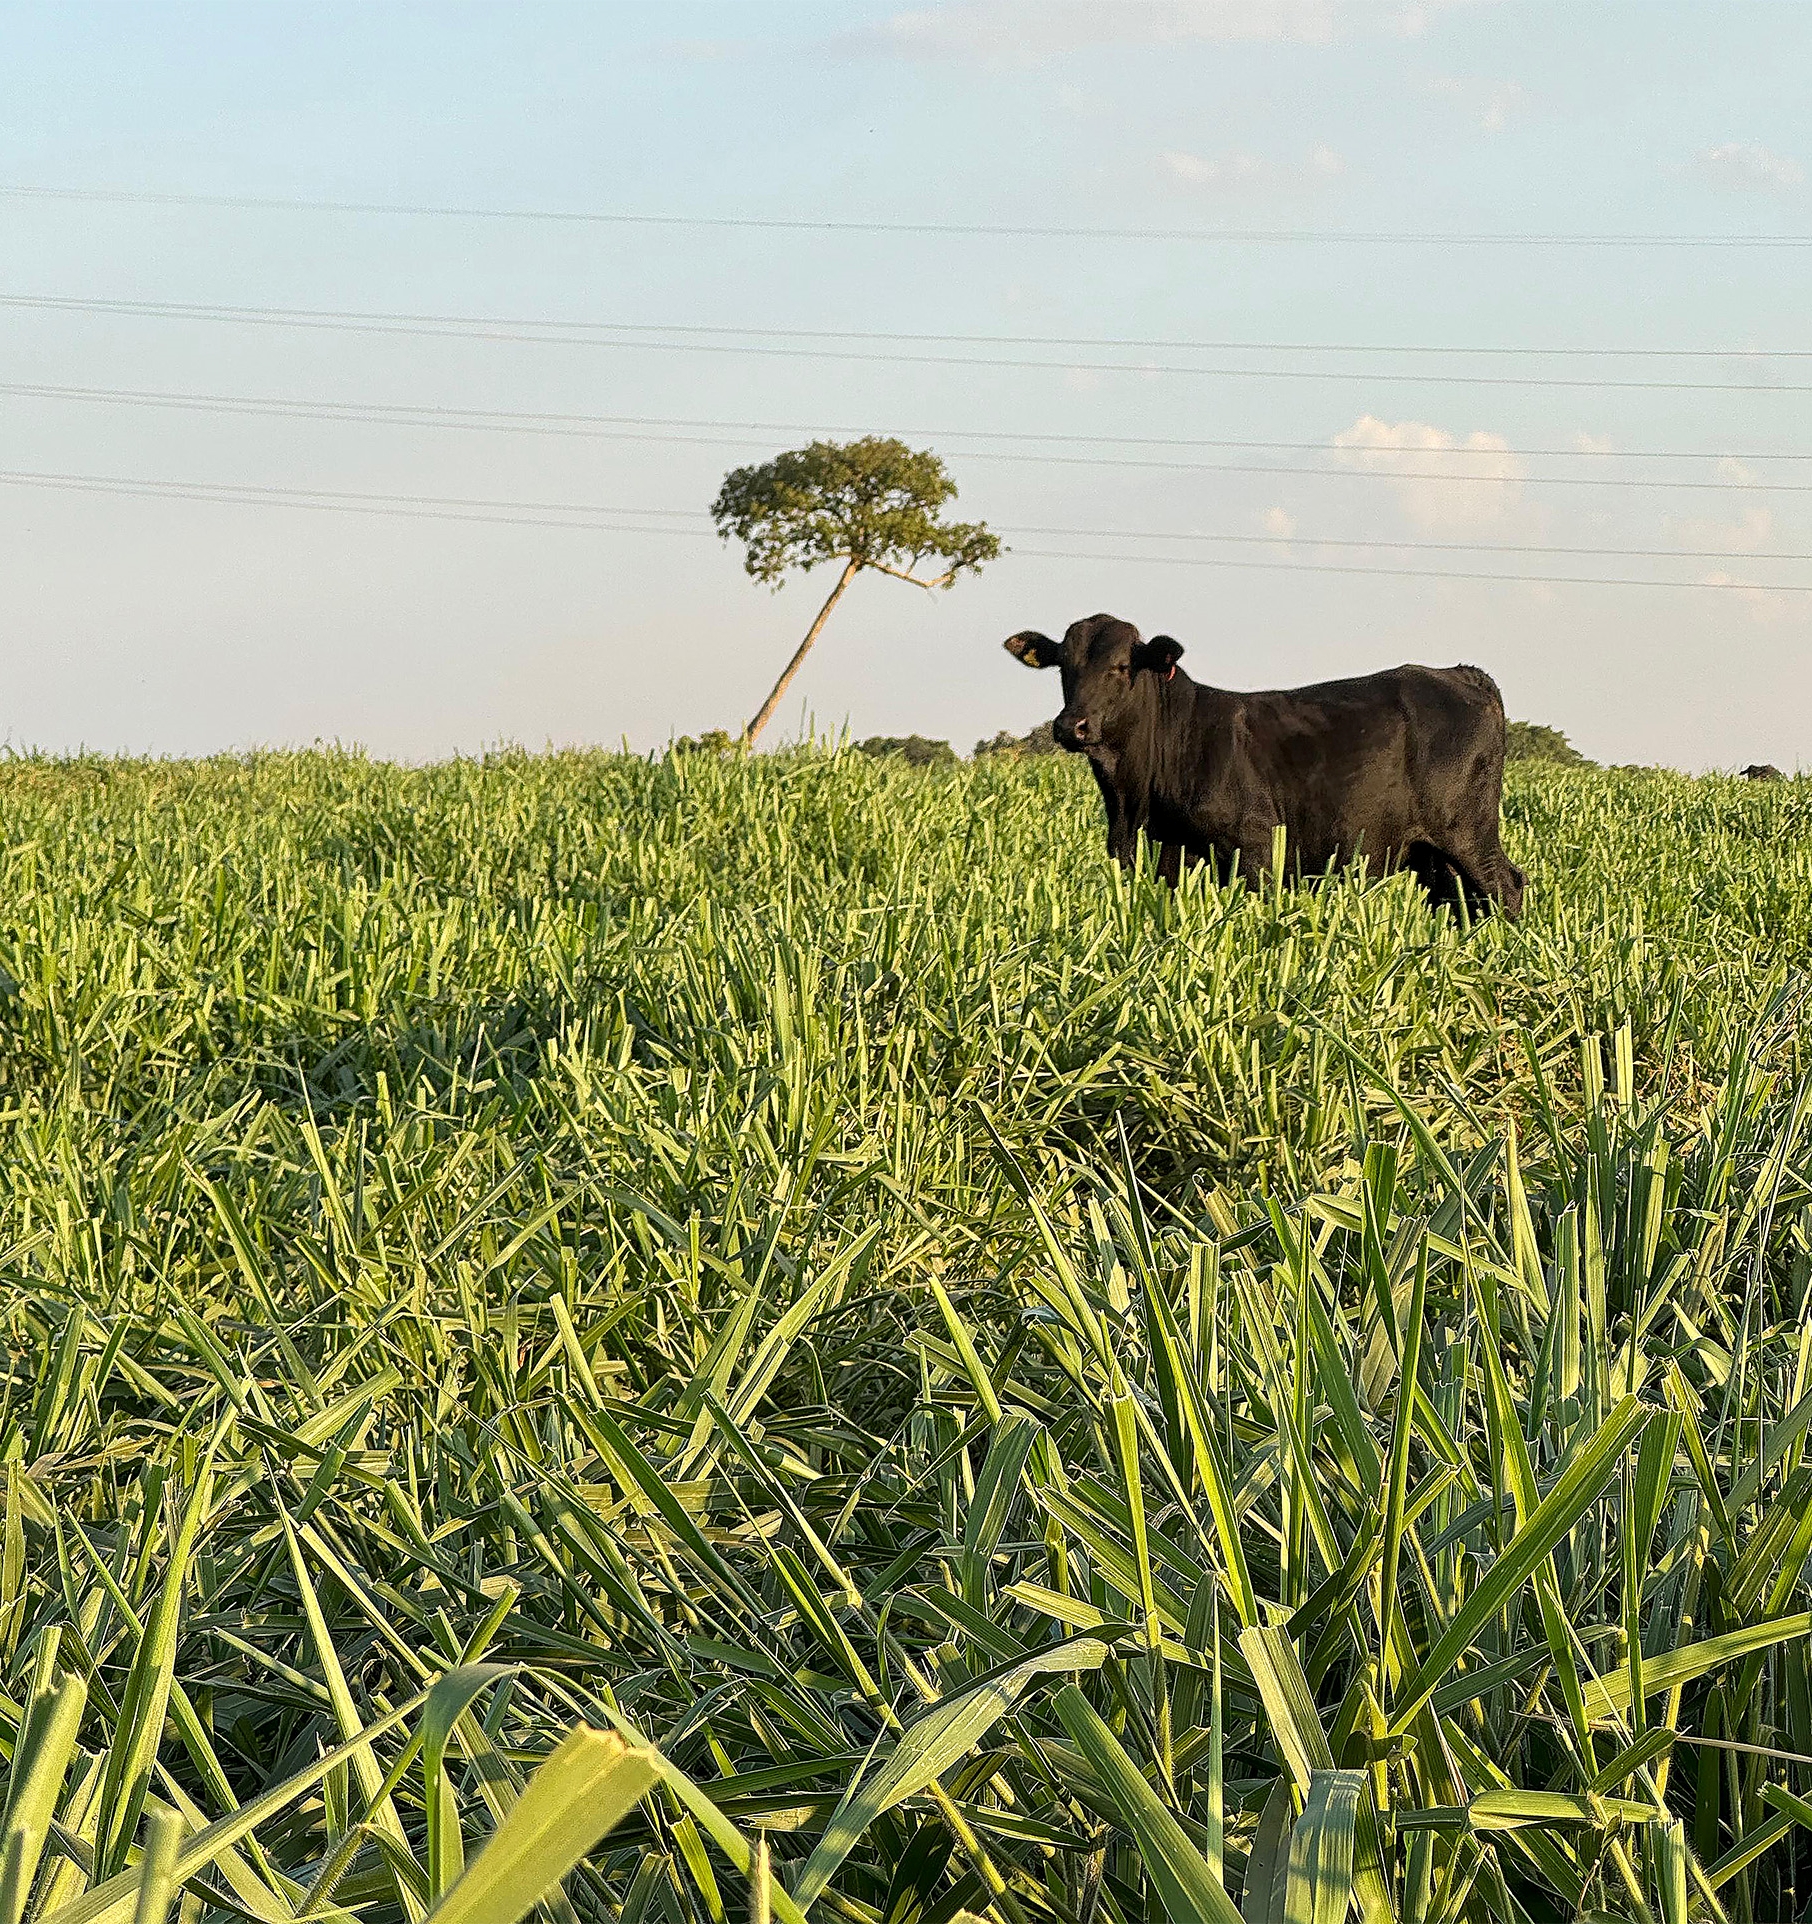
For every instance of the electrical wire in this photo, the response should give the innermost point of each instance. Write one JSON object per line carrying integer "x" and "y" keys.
{"x": 514, "y": 420}
{"x": 1386, "y": 473}
{"x": 966, "y": 229}
{"x": 589, "y": 334}
{"x": 1165, "y": 344}
{"x": 1420, "y": 574}
{"x": 1294, "y": 540}
{"x": 254, "y": 491}
{"x": 586, "y": 517}
{"x": 582, "y": 426}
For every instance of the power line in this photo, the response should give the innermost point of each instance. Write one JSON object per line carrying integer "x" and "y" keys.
{"x": 584, "y": 517}
{"x": 590, "y": 334}
{"x": 1396, "y": 473}
{"x": 1422, "y": 574}
{"x": 704, "y": 330}
{"x": 324, "y": 502}
{"x": 234, "y": 490}
{"x": 1167, "y": 345}
{"x": 1384, "y": 541}
{"x": 640, "y": 428}
{"x": 970, "y": 229}
{"x": 513, "y": 420}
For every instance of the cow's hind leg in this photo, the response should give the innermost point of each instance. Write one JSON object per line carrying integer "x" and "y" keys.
{"x": 1433, "y": 868}
{"x": 1483, "y": 879}
{"x": 1480, "y": 900}
{"x": 1489, "y": 873}
{"x": 1175, "y": 859}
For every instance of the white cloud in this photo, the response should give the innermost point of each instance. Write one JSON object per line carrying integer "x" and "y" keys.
{"x": 1245, "y": 170}
{"x": 1031, "y": 29}
{"x": 1765, "y": 605}
{"x": 1280, "y": 522}
{"x": 1490, "y": 102}
{"x": 1593, "y": 443}
{"x": 1751, "y": 530}
{"x": 1750, "y": 168}
{"x": 1443, "y": 482}
{"x": 1200, "y": 171}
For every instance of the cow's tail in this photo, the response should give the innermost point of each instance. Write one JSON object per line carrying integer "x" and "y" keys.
{"x": 1478, "y": 679}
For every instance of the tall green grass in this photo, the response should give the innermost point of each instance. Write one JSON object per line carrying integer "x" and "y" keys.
{"x": 902, "y": 1371}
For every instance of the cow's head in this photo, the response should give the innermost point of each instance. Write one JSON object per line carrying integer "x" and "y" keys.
{"x": 1110, "y": 676}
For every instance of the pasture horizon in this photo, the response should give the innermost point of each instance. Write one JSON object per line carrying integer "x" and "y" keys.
{"x": 811, "y": 737}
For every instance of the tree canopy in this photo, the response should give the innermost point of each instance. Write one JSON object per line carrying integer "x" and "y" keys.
{"x": 874, "y": 502}
{"x": 1533, "y": 742}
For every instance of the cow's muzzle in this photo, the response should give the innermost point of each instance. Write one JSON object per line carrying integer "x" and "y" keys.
{"x": 1072, "y": 731}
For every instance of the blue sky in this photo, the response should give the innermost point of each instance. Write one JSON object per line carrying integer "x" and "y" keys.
{"x": 180, "y": 626}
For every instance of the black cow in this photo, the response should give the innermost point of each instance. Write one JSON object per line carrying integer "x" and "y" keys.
{"x": 1405, "y": 767}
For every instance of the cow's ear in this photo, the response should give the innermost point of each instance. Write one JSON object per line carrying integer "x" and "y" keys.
{"x": 1034, "y": 649}
{"x": 1161, "y": 654}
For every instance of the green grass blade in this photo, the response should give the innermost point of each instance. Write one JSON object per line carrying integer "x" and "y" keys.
{"x": 1607, "y": 1696}
{"x": 448, "y": 1700}
{"x": 1397, "y": 1468}
{"x": 34, "y": 1783}
{"x": 1573, "y": 1494}
{"x": 142, "y": 1710}
{"x": 1289, "y": 1703}
{"x": 589, "y": 1785}
{"x": 382, "y": 1815}
{"x": 1319, "y": 1887}
{"x": 111, "y": 1902}
{"x": 930, "y": 1746}
{"x": 157, "y": 1867}
{"x": 1268, "y": 1861}
{"x": 1187, "y": 1891}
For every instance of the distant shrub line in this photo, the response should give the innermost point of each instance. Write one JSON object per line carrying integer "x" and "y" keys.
{"x": 1534, "y": 742}
{"x": 1524, "y": 742}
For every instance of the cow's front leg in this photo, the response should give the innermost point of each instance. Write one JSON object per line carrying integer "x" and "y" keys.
{"x": 1123, "y": 825}
{"x": 1122, "y": 829}
{"x": 1170, "y": 862}
{"x": 1122, "y": 838}
{"x": 1253, "y": 848}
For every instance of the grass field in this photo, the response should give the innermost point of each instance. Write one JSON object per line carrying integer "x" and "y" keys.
{"x": 797, "y": 1264}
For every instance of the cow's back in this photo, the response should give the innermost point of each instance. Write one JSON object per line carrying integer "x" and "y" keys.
{"x": 1426, "y": 715}
{"x": 1375, "y": 762}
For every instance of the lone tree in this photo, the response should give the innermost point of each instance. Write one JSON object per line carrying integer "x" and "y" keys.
{"x": 871, "y": 503}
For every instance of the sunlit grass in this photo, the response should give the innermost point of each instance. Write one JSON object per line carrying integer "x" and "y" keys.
{"x": 797, "y": 1264}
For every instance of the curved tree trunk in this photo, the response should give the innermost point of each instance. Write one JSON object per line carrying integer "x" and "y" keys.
{"x": 766, "y": 714}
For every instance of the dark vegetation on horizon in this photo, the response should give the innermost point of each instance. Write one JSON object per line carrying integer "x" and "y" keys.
{"x": 1533, "y": 742}
{"x": 1524, "y": 742}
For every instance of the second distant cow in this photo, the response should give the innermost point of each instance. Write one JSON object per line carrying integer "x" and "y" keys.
{"x": 1404, "y": 768}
